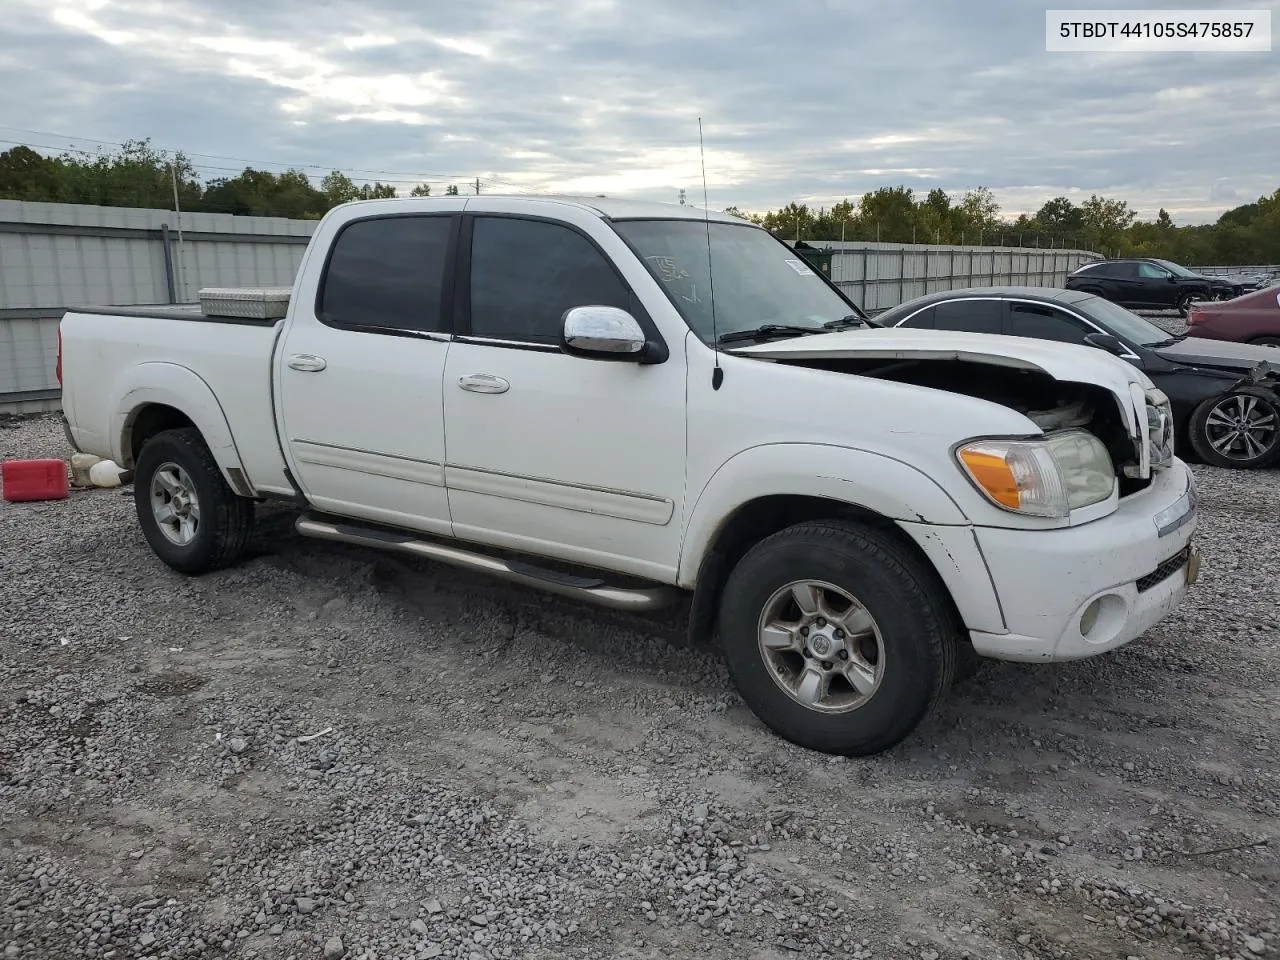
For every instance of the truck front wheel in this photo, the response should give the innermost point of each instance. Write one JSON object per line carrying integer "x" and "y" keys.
{"x": 837, "y": 636}
{"x": 192, "y": 519}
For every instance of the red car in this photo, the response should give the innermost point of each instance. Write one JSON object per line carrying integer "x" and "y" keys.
{"x": 1253, "y": 318}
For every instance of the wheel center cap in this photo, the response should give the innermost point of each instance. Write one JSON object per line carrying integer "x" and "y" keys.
{"x": 820, "y": 644}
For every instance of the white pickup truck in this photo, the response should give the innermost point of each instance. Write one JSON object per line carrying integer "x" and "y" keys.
{"x": 564, "y": 393}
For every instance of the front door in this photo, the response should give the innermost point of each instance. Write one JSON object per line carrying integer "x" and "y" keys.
{"x": 359, "y": 375}
{"x": 554, "y": 454}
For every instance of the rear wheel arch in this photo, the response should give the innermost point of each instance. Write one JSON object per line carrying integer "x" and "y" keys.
{"x": 165, "y": 396}
{"x": 144, "y": 422}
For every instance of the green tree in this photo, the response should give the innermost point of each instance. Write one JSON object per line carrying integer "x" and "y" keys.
{"x": 338, "y": 188}
{"x": 421, "y": 190}
{"x": 1105, "y": 222}
{"x": 26, "y": 175}
{"x": 1060, "y": 217}
{"x": 888, "y": 214}
{"x": 451, "y": 191}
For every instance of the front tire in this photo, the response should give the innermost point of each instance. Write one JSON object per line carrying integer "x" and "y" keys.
{"x": 1240, "y": 429}
{"x": 191, "y": 518}
{"x": 838, "y": 637}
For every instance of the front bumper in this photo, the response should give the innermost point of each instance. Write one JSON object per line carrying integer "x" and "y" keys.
{"x": 1127, "y": 571}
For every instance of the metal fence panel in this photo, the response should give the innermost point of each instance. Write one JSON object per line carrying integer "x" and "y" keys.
{"x": 56, "y": 256}
{"x": 878, "y": 276}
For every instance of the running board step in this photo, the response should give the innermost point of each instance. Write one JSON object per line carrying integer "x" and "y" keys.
{"x": 591, "y": 590}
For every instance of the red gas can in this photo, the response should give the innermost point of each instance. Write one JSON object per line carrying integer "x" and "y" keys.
{"x": 34, "y": 479}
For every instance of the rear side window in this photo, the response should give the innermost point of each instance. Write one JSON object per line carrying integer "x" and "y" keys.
{"x": 526, "y": 273}
{"x": 1045, "y": 323}
{"x": 974, "y": 316}
{"x": 388, "y": 273}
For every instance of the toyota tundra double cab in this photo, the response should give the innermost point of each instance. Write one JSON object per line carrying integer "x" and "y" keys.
{"x": 640, "y": 405}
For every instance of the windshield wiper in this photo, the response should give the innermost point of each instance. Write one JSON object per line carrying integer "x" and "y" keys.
{"x": 1171, "y": 341}
{"x": 844, "y": 323}
{"x": 767, "y": 331}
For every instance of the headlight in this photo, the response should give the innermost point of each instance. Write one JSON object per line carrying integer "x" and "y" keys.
{"x": 1043, "y": 478}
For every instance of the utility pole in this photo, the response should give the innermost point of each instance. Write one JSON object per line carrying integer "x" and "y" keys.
{"x": 477, "y": 186}
{"x": 177, "y": 209}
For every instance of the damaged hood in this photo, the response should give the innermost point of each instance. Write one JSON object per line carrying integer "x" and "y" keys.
{"x": 1062, "y": 361}
{"x": 1136, "y": 396}
{"x": 1219, "y": 354}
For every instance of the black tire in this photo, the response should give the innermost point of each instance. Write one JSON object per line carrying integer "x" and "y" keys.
{"x": 1201, "y": 430}
{"x": 225, "y": 521}
{"x": 1184, "y": 303}
{"x": 968, "y": 663}
{"x": 916, "y": 623}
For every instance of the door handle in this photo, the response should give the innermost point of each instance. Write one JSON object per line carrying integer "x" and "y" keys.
{"x": 483, "y": 383}
{"x": 307, "y": 363}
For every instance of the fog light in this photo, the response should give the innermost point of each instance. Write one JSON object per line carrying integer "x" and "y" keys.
{"x": 1090, "y": 617}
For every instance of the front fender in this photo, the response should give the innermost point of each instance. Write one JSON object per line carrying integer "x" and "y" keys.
{"x": 873, "y": 481}
{"x": 179, "y": 387}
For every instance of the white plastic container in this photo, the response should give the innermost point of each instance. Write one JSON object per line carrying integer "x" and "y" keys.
{"x": 105, "y": 473}
{"x": 81, "y": 463}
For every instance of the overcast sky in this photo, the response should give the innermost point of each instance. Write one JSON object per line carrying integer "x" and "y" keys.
{"x": 811, "y": 101}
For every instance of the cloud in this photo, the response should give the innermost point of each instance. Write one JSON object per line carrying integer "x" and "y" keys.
{"x": 816, "y": 102}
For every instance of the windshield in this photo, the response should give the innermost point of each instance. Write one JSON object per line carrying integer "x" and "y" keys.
{"x": 758, "y": 279}
{"x": 1123, "y": 323}
{"x": 1176, "y": 270}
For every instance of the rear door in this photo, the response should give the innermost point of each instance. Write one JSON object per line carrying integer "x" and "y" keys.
{"x": 359, "y": 372}
{"x": 1154, "y": 287}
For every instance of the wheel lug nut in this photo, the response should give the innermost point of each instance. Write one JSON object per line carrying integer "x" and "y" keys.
{"x": 822, "y": 622}
{"x": 839, "y": 634}
{"x": 827, "y": 664}
{"x": 844, "y": 654}
{"x": 804, "y": 631}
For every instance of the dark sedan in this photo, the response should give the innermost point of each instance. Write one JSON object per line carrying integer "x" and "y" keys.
{"x": 1223, "y": 394}
{"x": 1253, "y": 318}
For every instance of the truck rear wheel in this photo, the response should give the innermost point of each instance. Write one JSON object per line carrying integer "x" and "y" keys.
{"x": 192, "y": 519}
{"x": 837, "y": 637}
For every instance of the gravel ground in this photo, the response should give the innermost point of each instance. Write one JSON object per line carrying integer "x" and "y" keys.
{"x": 330, "y": 753}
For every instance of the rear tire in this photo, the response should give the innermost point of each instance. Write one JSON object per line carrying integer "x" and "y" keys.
{"x": 792, "y": 666}
{"x": 1214, "y": 421}
{"x": 191, "y": 518}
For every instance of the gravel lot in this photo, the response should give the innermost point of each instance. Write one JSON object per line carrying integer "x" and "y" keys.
{"x": 330, "y": 753}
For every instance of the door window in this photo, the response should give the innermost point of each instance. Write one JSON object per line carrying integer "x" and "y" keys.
{"x": 526, "y": 273}
{"x": 974, "y": 316}
{"x": 1045, "y": 323}
{"x": 387, "y": 273}
{"x": 1149, "y": 271}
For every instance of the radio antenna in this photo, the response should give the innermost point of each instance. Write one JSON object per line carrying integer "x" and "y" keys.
{"x": 717, "y": 375}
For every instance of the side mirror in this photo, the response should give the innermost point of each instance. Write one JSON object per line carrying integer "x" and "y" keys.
{"x": 602, "y": 333}
{"x": 1171, "y": 278}
{"x": 1105, "y": 341}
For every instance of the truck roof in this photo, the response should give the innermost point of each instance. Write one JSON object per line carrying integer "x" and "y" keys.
{"x": 608, "y": 208}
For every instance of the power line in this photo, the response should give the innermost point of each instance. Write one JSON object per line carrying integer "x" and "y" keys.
{"x": 412, "y": 177}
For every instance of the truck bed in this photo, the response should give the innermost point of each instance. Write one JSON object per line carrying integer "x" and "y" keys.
{"x": 115, "y": 358}
{"x": 178, "y": 311}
